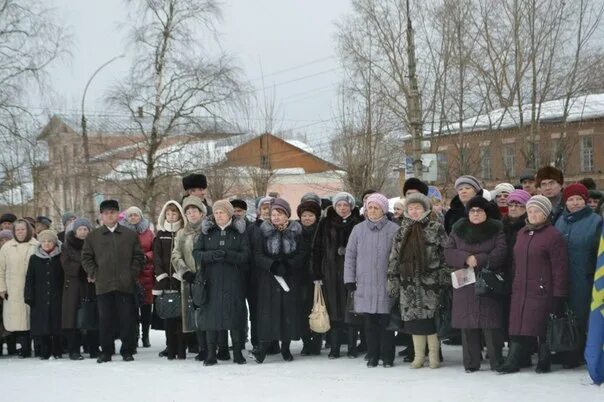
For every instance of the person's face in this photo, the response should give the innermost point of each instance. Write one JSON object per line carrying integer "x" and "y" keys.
{"x": 240, "y": 212}
{"x": 477, "y": 215}
{"x": 550, "y": 188}
{"x": 194, "y": 215}
{"x": 308, "y": 218}
{"x": 398, "y": 211}
{"x": 343, "y": 208}
{"x": 6, "y": 226}
{"x": 198, "y": 192}
{"x": 265, "y": 211}
{"x": 411, "y": 191}
{"x": 21, "y": 231}
{"x": 529, "y": 186}
{"x": 374, "y": 212}
{"x": 502, "y": 199}
{"x": 575, "y": 203}
{"x": 516, "y": 210}
{"x": 437, "y": 206}
{"x": 47, "y": 245}
{"x": 70, "y": 220}
{"x": 415, "y": 211}
{"x": 40, "y": 227}
{"x": 82, "y": 232}
{"x": 221, "y": 217}
{"x": 134, "y": 219}
{"x": 535, "y": 215}
{"x": 172, "y": 216}
{"x": 109, "y": 217}
{"x": 278, "y": 217}
{"x": 593, "y": 203}
{"x": 465, "y": 193}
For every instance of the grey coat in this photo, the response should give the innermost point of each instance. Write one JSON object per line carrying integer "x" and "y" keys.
{"x": 366, "y": 263}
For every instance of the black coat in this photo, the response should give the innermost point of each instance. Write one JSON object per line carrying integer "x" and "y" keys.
{"x": 279, "y": 311}
{"x": 511, "y": 227}
{"x": 328, "y": 251}
{"x": 163, "y": 244}
{"x": 458, "y": 211}
{"x": 225, "y": 309}
{"x": 307, "y": 286}
{"x": 43, "y": 289}
{"x": 75, "y": 284}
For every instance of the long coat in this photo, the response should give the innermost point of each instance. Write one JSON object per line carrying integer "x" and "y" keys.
{"x": 306, "y": 280}
{"x": 183, "y": 261}
{"x": 457, "y": 211}
{"x": 328, "y": 253}
{"x": 418, "y": 293}
{"x": 43, "y": 291}
{"x": 75, "y": 284}
{"x": 279, "y": 311}
{"x": 581, "y": 230}
{"x": 366, "y": 265}
{"x": 487, "y": 243}
{"x": 163, "y": 244}
{"x": 14, "y": 260}
{"x": 225, "y": 309}
{"x": 540, "y": 272}
{"x": 147, "y": 275}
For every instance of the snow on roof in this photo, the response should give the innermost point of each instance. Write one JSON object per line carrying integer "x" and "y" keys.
{"x": 289, "y": 171}
{"x": 579, "y": 108}
{"x": 302, "y": 145}
{"x": 17, "y": 195}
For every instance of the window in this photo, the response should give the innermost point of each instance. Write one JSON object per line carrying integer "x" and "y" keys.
{"x": 558, "y": 152}
{"x": 533, "y": 154}
{"x": 485, "y": 162}
{"x": 509, "y": 160}
{"x": 587, "y": 154}
{"x": 442, "y": 160}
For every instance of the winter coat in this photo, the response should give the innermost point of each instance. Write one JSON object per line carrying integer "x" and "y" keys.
{"x": 113, "y": 259}
{"x": 43, "y": 291}
{"x": 511, "y": 227}
{"x": 539, "y": 274}
{"x": 165, "y": 274}
{"x": 14, "y": 260}
{"x": 75, "y": 283}
{"x": 225, "y": 309}
{"x": 458, "y": 211}
{"x": 328, "y": 253}
{"x": 366, "y": 264}
{"x": 418, "y": 293}
{"x": 307, "y": 286}
{"x": 581, "y": 230}
{"x": 278, "y": 311}
{"x": 145, "y": 238}
{"x": 487, "y": 243}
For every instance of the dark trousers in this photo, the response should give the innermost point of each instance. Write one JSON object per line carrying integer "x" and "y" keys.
{"x": 117, "y": 313}
{"x": 342, "y": 333}
{"x": 50, "y": 345}
{"x": 24, "y": 339}
{"x": 175, "y": 338}
{"x": 144, "y": 319}
{"x": 213, "y": 338}
{"x": 471, "y": 340}
{"x": 201, "y": 340}
{"x": 74, "y": 341}
{"x": 380, "y": 342}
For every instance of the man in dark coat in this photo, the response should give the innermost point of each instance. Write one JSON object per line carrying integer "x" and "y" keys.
{"x": 113, "y": 259}
{"x": 197, "y": 184}
{"x": 550, "y": 182}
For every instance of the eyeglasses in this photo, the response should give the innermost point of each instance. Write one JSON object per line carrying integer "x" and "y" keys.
{"x": 476, "y": 211}
{"x": 516, "y": 206}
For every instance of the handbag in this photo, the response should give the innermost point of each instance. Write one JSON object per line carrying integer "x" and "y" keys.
{"x": 396, "y": 320}
{"x": 350, "y": 316}
{"x": 190, "y": 316}
{"x": 443, "y": 315}
{"x": 562, "y": 332}
{"x": 490, "y": 283}
{"x": 169, "y": 305}
{"x": 200, "y": 289}
{"x": 318, "y": 319}
{"x": 87, "y": 315}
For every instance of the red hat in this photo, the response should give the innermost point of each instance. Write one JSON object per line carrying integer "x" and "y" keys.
{"x": 575, "y": 189}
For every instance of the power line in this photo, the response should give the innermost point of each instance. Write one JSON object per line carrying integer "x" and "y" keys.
{"x": 293, "y": 68}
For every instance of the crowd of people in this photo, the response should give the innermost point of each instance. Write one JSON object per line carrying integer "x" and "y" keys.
{"x": 383, "y": 275}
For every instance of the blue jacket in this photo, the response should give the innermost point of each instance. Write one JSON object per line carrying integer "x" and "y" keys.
{"x": 581, "y": 230}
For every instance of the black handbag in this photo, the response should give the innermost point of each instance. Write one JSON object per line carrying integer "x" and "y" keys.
{"x": 396, "y": 321}
{"x": 87, "y": 315}
{"x": 200, "y": 289}
{"x": 443, "y": 315}
{"x": 490, "y": 283}
{"x": 190, "y": 316}
{"x": 563, "y": 332}
{"x": 350, "y": 316}
{"x": 169, "y": 305}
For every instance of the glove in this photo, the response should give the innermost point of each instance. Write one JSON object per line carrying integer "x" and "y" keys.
{"x": 277, "y": 268}
{"x": 351, "y": 286}
{"x": 189, "y": 277}
{"x": 559, "y": 306}
{"x": 218, "y": 255}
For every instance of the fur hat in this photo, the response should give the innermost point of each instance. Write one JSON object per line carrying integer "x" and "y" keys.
{"x": 414, "y": 183}
{"x": 194, "y": 180}
{"x": 549, "y": 173}
{"x": 311, "y": 197}
{"x": 282, "y": 205}
{"x": 67, "y": 216}
{"x": 48, "y": 235}
{"x": 378, "y": 199}
{"x": 418, "y": 198}
{"x": 239, "y": 203}
{"x": 225, "y": 206}
{"x": 6, "y": 234}
{"x": 309, "y": 206}
{"x": 478, "y": 202}
{"x": 527, "y": 174}
{"x": 541, "y": 202}
{"x": 519, "y": 196}
{"x": 502, "y": 188}
{"x": 109, "y": 205}
{"x": 343, "y": 196}
{"x": 326, "y": 203}
{"x": 595, "y": 194}
{"x": 468, "y": 180}
{"x": 81, "y": 222}
{"x": 133, "y": 211}
{"x": 193, "y": 201}
{"x": 575, "y": 189}
{"x": 263, "y": 200}
{"x": 8, "y": 217}
{"x": 44, "y": 220}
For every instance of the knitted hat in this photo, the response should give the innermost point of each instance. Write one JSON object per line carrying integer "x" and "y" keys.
{"x": 519, "y": 196}
{"x": 6, "y": 234}
{"x": 263, "y": 200}
{"x": 67, "y": 216}
{"x": 8, "y": 217}
{"x": 311, "y": 197}
{"x": 549, "y": 173}
{"x": 478, "y": 202}
{"x": 194, "y": 201}
{"x": 418, "y": 198}
{"x": 414, "y": 183}
{"x": 502, "y": 188}
{"x": 343, "y": 196}
{"x": 48, "y": 235}
{"x": 282, "y": 205}
{"x": 378, "y": 199}
{"x": 194, "y": 181}
{"x": 133, "y": 211}
{"x": 81, "y": 222}
{"x": 527, "y": 174}
{"x": 400, "y": 203}
{"x": 575, "y": 189}
{"x": 109, "y": 205}
{"x": 309, "y": 206}
{"x": 239, "y": 203}
{"x": 43, "y": 220}
{"x": 469, "y": 180}
{"x": 541, "y": 202}
{"x": 434, "y": 193}
{"x": 225, "y": 206}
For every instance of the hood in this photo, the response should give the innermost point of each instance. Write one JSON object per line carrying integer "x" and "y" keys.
{"x": 161, "y": 221}
{"x": 42, "y": 254}
{"x": 209, "y": 223}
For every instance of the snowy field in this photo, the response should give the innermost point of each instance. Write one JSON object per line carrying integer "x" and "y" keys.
{"x": 309, "y": 379}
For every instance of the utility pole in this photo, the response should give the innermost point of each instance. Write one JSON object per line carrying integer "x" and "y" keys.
{"x": 414, "y": 107}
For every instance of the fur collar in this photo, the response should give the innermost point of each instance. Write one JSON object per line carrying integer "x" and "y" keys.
{"x": 140, "y": 227}
{"x": 336, "y": 220}
{"x": 281, "y": 242}
{"x": 44, "y": 255}
{"x": 474, "y": 234}
{"x": 209, "y": 224}
{"x": 73, "y": 242}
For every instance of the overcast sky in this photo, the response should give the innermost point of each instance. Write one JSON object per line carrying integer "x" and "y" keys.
{"x": 293, "y": 35}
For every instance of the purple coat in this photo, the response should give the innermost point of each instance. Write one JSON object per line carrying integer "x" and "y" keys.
{"x": 366, "y": 263}
{"x": 540, "y": 273}
{"x": 487, "y": 243}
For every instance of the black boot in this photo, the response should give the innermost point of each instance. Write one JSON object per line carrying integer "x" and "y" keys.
{"x": 202, "y": 355}
{"x": 544, "y": 358}
{"x": 238, "y": 356}
{"x": 104, "y": 358}
{"x": 514, "y": 358}
{"x": 145, "y": 337}
{"x": 260, "y": 354}
{"x": 211, "y": 359}
{"x": 273, "y": 348}
{"x": 285, "y": 353}
{"x": 223, "y": 354}
{"x": 352, "y": 352}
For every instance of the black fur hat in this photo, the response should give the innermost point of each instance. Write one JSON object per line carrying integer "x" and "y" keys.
{"x": 194, "y": 180}
{"x": 415, "y": 184}
{"x": 109, "y": 204}
{"x": 237, "y": 203}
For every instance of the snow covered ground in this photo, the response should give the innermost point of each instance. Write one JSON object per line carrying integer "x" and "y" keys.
{"x": 309, "y": 379}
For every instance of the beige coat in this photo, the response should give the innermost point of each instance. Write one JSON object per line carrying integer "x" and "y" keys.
{"x": 14, "y": 260}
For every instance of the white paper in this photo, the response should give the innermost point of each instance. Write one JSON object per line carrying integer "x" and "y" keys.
{"x": 463, "y": 277}
{"x": 282, "y": 282}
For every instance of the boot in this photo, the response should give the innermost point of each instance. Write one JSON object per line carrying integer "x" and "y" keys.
{"x": 514, "y": 358}
{"x": 273, "y": 348}
{"x": 223, "y": 354}
{"x": 145, "y": 337}
{"x": 237, "y": 355}
{"x": 334, "y": 353}
{"x": 285, "y": 353}
{"x": 419, "y": 343}
{"x": 352, "y": 352}
{"x": 260, "y": 355}
{"x": 104, "y": 358}
{"x": 544, "y": 358}
{"x": 433, "y": 351}
{"x": 202, "y": 355}
{"x": 211, "y": 358}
